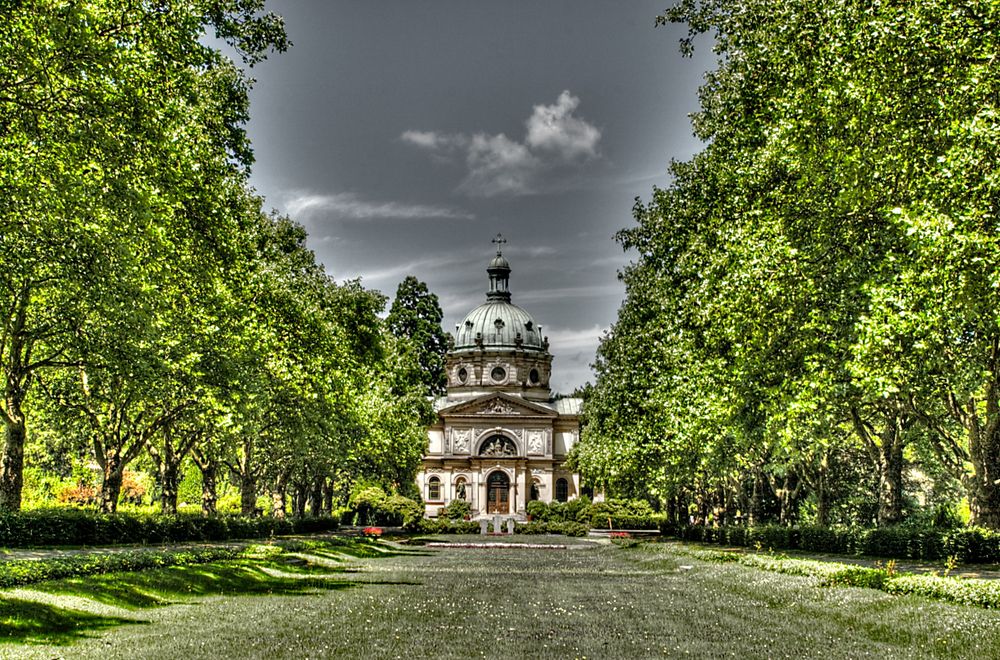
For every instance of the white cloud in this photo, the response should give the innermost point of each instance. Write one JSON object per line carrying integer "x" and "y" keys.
{"x": 497, "y": 165}
{"x": 433, "y": 140}
{"x": 347, "y": 206}
{"x": 554, "y": 128}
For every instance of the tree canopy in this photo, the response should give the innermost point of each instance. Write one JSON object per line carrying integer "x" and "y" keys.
{"x": 150, "y": 311}
{"x": 817, "y": 286}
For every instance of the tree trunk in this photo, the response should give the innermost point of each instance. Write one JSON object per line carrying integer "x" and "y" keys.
{"x": 982, "y": 485}
{"x": 209, "y": 497}
{"x": 248, "y": 482}
{"x": 168, "y": 486}
{"x": 327, "y": 497}
{"x": 887, "y": 454}
{"x": 248, "y": 495}
{"x": 209, "y": 477}
{"x": 822, "y": 503}
{"x": 316, "y": 497}
{"x": 111, "y": 485}
{"x": 890, "y": 499}
{"x": 12, "y": 461}
{"x": 756, "y": 514}
{"x": 299, "y": 503}
{"x": 279, "y": 501}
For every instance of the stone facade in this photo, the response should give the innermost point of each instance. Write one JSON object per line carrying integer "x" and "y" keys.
{"x": 500, "y": 440}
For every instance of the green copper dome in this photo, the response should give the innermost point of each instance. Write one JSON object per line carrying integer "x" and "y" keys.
{"x": 498, "y": 323}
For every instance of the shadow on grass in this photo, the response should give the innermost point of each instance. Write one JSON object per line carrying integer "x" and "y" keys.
{"x": 366, "y": 550}
{"x": 23, "y": 621}
{"x": 178, "y": 583}
{"x": 27, "y": 622}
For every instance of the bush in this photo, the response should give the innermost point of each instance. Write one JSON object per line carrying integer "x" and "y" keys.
{"x": 970, "y": 545}
{"x": 446, "y": 526}
{"x": 538, "y": 510}
{"x": 26, "y": 571}
{"x": 459, "y": 509}
{"x": 623, "y": 514}
{"x": 400, "y": 511}
{"x": 564, "y": 527}
{"x": 366, "y": 503}
{"x": 41, "y": 527}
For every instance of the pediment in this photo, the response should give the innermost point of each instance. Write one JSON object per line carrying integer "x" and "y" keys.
{"x": 497, "y": 405}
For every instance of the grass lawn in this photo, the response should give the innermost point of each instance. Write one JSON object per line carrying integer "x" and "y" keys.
{"x": 596, "y": 601}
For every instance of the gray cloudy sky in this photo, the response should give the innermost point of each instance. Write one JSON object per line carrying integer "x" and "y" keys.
{"x": 404, "y": 135}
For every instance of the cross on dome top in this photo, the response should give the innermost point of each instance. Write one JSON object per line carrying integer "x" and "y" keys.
{"x": 499, "y": 240}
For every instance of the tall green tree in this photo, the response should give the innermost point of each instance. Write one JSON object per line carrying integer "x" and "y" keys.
{"x": 415, "y": 317}
{"x": 113, "y": 115}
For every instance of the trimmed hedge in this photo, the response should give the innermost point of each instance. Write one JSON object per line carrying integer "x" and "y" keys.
{"x": 18, "y": 572}
{"x": 48, "y": 527}
{"x": 969, "y": 545}
{"x": 978, "y": 593}
{"x": 609, "y": 514}
{"x": 447, "y": 526}
{"x": 566, "y": 528}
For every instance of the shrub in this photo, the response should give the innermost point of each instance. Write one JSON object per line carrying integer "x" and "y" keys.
{"x": 981, "y": 593}
{"x": 902, "y": 541}
{"x": 446, "y": 526}
{"x": 39, "y": 527}
{"x": 400, "y": 511}
{"x": 538, "y": 510}
{"x": 26, "y": 571}
{"x": 564, "y": 527}
{"x": 365, "y": 503}
{"x": 459, "y": 509}
{"x": 622, "y": 514}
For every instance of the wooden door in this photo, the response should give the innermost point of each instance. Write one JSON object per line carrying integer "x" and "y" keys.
{"x": 498, "y": 493}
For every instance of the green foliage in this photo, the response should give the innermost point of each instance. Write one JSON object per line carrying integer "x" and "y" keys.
{"x": 415, "y": 317}
{"x": 980, "y": 593}
{"x": 815, "y": 284}
{"x": 371, "y": 506}
{"x": 972, "y": 545}
{"x": 458, "y": 509}
{"x": 366, "y": 503}
{"x": 447, "y": 526}
{"x": 16, "y": 572}
{"x": 564, "y": 527}
{"x": 51, "y": 527}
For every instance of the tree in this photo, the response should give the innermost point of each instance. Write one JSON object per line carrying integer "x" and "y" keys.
{"x": 819, "y": 277}
{"x": 99, "y": 143}
{"x": 415, "y": 317}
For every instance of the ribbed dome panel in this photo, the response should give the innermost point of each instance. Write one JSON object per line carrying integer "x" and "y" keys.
{"x": 498, "y": 324}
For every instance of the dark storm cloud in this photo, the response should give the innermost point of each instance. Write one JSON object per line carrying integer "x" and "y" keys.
{"x": 405, "y": 135}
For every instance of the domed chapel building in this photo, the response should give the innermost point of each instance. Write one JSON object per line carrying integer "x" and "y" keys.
{"x": 500, "y": 439}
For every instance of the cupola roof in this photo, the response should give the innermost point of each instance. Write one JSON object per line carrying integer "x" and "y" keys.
{"x": 498, "y": 323}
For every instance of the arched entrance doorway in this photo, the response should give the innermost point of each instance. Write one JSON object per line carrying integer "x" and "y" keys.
{"x": 498, "y": 493}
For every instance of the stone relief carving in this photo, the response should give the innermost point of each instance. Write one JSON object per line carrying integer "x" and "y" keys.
{"x": 498, "y": 407}
{"x": 535, "y": 442}
{"x": 537, "y": 472}
{"x": 498, "y": 446}
{"x": 460, "y": 440}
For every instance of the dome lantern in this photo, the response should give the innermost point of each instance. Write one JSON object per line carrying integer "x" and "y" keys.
{"x": 499, "y": 271}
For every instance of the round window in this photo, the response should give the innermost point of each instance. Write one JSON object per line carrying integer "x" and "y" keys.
{"x": 533, "y": 376}
{"x": 498, "y": 374}
{"x": 463, "y": 375}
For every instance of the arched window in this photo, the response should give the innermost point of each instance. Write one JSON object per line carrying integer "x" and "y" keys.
{"x": 460, "y": 489}
{"x": 535, "y": 495}
{"x": 434, "y": 489}
{"x": 562, "y": 490}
